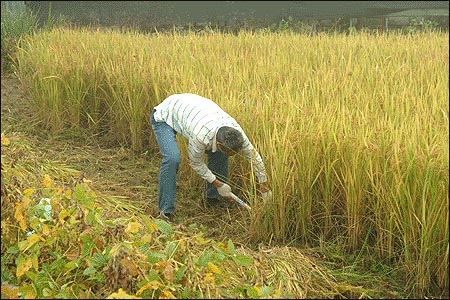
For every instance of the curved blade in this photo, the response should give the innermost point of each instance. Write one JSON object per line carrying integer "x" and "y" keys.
{"x": 241, "y": 202}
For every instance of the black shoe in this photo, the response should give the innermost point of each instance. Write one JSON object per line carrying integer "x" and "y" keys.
{"x": 168, "y": 217}
{"x": 219, "y": 203}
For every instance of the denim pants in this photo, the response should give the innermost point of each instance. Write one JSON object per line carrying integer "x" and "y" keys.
{"x": 166, "y": 138}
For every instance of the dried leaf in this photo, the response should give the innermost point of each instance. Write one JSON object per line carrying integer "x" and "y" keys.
{"x": 73, "y": 255}
{"x": 168, "y": 272}
{"x": 167, "y": 295}
{"x": 129, "y": 264}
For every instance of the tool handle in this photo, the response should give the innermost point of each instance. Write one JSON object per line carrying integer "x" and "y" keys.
{"x": 236, "y": 198}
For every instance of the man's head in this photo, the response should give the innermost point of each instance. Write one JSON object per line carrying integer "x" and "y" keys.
{"x": 229, "y": 140}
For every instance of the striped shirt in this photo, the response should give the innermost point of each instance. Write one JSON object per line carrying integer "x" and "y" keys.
{"x": 198, "y": 119}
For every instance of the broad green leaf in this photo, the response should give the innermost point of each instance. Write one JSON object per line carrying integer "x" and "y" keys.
{"x": 71, "y": 265}
{"x": 155, "y": 257}
{"x": 24, "y": 264}
{"x": 22, "y": 245}
{"x": 33, "y": 239}
{"x": 164, "y": 227}
{"x": 13, "y": 249}
{"x": 253, "y": 292}
{"x": 27, "y": 292}
{"x": 87, "y": 244}
{"x": 266, "y": 291}
{"x": 35, "y": 223}
{"x": 63, "y": 214}
{"x": 89, "y": 271}
{"x": 180, "y": 272}
{"x": 99, "y": 260}
{"x": 35, "y": 260}
{"x": 230, "y": 247}
{"x": 205, "y": 258}
{"x": 171, "y": 247}
{"x": 242, "y": 260}
{"x": 46, "y": 292}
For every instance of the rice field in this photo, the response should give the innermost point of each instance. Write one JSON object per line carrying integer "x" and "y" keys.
{"x": 353, "y": 129}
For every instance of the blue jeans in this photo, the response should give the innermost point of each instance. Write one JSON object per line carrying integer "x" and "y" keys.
{"x": 166, "y": 138}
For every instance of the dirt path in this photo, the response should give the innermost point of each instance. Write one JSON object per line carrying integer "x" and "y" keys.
{"x": 115, "y": 171}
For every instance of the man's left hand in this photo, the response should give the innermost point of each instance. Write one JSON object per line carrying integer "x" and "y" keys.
{"x": 266, "y": 196}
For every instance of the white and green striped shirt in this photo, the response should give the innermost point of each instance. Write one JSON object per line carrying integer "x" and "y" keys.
{"x": 198, "y": 119}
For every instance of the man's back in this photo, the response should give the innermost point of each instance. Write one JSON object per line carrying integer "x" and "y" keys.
{"x": 193, "y": 116}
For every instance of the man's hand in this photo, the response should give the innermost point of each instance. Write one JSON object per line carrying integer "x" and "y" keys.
{"x": 263, "y": 187}
{"x": 266, "y": 195}
{"x": 224, "y": 190}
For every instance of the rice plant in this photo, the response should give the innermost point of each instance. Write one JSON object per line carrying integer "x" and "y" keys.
{"x": 353, "y": 129}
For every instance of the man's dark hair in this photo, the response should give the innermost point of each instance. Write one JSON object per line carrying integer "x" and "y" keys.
{"x": 230, "y": 138}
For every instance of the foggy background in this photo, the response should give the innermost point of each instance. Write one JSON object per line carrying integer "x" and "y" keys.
{"x": 237, "y": 14}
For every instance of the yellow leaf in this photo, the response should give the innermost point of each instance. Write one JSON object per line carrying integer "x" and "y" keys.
{"x": 63, "y": 214}
{"x": 34, "y": 259}
{"x": 154, "y": 285}
{"x": 23, "y": 224}
{"x": 46, "y": 181}
{"x": 5, "y": 140}
{"x": 121, "y": 294}
{"x": 146, "y": 238}
{"x": 167, "y": 295}
{"x": 133, "y": 227}
{"x": 18, "y": 214}
{"x": 33, "y": 239}
{"x": 10, "y": 292}
{"x": 23, "y": 266}
{"x": 257, "y": 289}
{"x": 30, "y": 294}
{"x": 152, "y": 227}
{"x": 45, "y": 229}
{"x": 214, "y": 268}
{"x": 68, "y": 194}
{"x": 28, "y": 192}
{"x": 209, "y": 278}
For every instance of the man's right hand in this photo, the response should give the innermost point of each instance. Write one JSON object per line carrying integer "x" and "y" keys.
{"x": 224, "y": 190}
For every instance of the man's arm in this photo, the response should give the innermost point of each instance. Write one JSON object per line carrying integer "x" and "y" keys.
{"x": 195, "y": 154}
